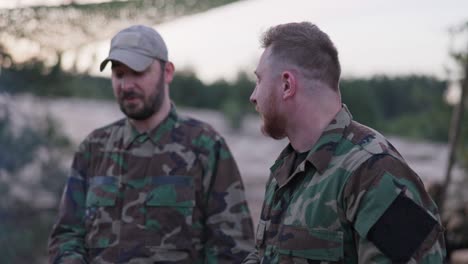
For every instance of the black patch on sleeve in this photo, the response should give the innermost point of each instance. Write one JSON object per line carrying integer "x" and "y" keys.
{"x": 402, "y": 228}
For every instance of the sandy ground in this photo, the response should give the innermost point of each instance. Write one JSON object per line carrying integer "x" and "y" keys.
{"x": 254, "y": 152}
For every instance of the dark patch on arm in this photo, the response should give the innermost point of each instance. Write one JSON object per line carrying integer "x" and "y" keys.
{"x": 402, "y": 229}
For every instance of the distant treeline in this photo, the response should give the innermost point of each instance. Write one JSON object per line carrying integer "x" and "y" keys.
{"x": 411, "y": 106}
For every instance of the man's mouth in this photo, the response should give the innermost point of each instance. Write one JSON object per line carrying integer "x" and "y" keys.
{"x": 130, "y": 97}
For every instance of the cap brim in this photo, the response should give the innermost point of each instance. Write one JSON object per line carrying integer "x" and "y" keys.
{"x": 133, "y": 60}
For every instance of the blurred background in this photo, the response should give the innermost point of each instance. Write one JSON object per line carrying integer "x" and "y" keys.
{"x": 405, "y": 73}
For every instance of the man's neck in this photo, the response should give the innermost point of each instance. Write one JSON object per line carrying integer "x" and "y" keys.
{"x": 304, "y": 139}
{"x": 307, "y": 125}
{"x": 154, "y": 120}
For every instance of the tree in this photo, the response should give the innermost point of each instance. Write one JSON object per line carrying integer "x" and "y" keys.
{"x": 461, "y": 58}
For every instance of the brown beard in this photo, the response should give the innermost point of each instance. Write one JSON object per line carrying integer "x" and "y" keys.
{"x": 274, "y": 123}
{"x": 151, "y": 105}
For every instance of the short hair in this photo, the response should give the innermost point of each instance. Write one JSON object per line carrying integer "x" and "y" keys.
{"x": 306, "y": 46}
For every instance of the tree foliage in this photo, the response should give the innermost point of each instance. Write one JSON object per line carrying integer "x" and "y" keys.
{"x": 460, "y": 57}
{"x": 31, "y": 168}
{"x": 411, "y": 106}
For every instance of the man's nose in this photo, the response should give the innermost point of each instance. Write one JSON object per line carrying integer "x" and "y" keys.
{"x": 252, "y": 98}
{"x": 126, "y": 83}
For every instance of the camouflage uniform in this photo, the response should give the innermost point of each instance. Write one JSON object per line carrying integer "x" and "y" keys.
{"x": 326, "y": 210}
{"x": 173, "y": 195}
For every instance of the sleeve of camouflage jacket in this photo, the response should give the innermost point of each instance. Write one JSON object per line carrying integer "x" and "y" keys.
{"x": 66, "y": 242}
{"x": 395, "y": 218}
{"x": 228, "y": 230}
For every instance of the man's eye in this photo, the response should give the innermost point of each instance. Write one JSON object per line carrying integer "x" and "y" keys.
{"x": 138, "y": 73}
{"x": 118, "y": 74}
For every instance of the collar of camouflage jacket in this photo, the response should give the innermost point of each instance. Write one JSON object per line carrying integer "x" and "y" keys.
{"x": 131, "y": 133}
{"x": 320, "y": 154}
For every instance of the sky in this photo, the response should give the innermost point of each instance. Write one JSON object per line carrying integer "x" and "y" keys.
{"x": 372, "y": 36}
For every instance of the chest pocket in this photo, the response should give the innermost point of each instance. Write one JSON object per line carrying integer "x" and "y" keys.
{"x": 101, "y": 212}
{"x": 169, "y": 211}
{"x": 299, "y": 245}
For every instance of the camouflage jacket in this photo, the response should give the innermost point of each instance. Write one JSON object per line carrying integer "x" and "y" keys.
{"x": 352, "y": 200}
{"x": 173, "y": 195}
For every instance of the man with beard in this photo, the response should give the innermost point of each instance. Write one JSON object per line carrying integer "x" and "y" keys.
{"x": 154, "y": 187}
{"x": 339, "y": 192}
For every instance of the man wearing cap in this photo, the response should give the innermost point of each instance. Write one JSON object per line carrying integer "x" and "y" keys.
{"x": 154, "y": 187}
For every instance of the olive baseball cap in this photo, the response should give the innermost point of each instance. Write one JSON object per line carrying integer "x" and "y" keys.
{"x": 137, "y": 47}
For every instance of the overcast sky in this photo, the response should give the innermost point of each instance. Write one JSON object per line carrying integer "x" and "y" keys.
{"x": 372, "y": 36}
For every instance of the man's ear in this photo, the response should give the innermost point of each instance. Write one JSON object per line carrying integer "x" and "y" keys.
{"x": 169, "y": 70}
{"x": 289, "y": 84}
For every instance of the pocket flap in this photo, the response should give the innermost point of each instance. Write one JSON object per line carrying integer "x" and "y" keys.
{"x": 103, "y": 191}
{"x": 174, "y": 191}
{"x": 311, "y": 244}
